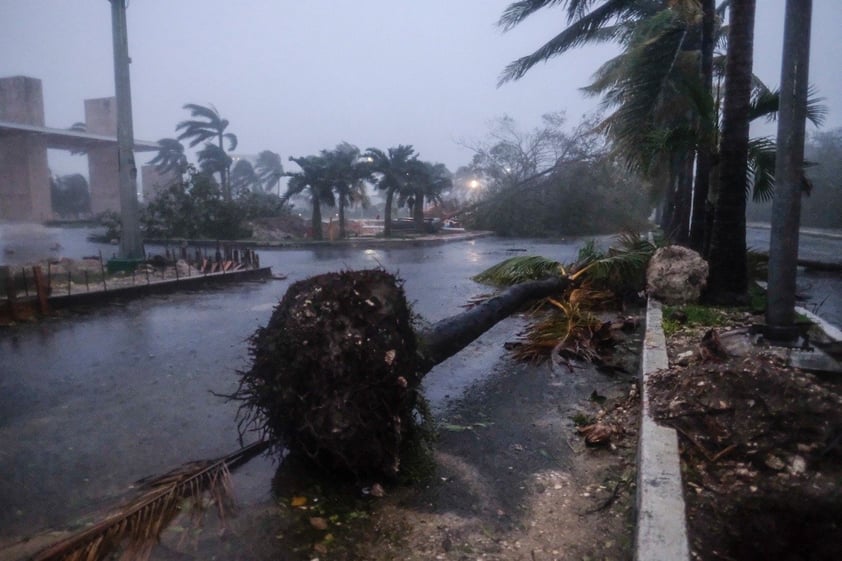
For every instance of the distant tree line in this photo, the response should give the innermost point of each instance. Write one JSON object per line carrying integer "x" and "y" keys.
{"x": 821, "y": 206}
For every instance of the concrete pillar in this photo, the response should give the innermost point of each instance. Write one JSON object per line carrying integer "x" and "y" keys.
{"x": 24, "y": 174}
{"x": 103, "y": 163}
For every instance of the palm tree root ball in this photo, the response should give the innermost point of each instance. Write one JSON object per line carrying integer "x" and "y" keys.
{"x": 335, "y": 373}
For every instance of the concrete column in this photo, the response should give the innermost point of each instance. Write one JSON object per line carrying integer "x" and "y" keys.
{"x": 103, "y": 163}
{"x": 24, "y": 174}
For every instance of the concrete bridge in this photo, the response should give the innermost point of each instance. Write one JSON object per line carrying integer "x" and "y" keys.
{"x": 24, "y": 140}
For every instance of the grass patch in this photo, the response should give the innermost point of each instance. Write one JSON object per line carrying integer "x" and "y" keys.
{"x": 689, "y": 315}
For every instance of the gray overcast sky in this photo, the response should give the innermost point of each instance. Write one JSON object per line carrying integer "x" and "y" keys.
{"x": 299, "y": 76}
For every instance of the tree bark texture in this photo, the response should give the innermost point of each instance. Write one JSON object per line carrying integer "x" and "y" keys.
{"x": 728, "y": 275}
{"x": 451, "y": 335}
{"x": 706, "y": 127}
{"x": 789, "y": 166}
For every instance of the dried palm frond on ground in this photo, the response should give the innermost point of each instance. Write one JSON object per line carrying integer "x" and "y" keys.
{"x": 600, "y": 279}
{"x": 135, "y": 528}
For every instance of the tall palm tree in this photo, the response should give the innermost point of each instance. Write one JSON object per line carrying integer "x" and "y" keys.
{"x": 269, "y": 170}
{"x": 392, "y": 170}
{"x": 207, "y": 124}
{"x": 313, "y": 178}
{"x": 707, "y": 140}
{"x": 170, "y": 158}
{"x": 728, "y": 274}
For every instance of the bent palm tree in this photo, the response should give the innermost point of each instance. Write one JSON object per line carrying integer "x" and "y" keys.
{"x": 269, "y": 170}
{"x": 170, "y": 158}
{"x": 207, "y": 124}
{"x": 213, "y": 159}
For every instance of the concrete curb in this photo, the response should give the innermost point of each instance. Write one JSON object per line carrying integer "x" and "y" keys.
{"x": 829, "y": 329}
{"x": 661, "y": 533}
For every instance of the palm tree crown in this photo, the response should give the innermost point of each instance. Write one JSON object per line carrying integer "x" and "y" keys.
{"x": 208, "y": 125}
{"x": 269, "y": 170}
{"x": 393, "y": 170}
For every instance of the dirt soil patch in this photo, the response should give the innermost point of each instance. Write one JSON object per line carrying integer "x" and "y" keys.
{"x": 760, "y": 444}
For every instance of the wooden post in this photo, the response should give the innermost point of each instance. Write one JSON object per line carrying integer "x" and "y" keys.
{"x": 69, "y": 281}
{"x": 25, "y": 284}
{"x": 41, "y": 289}
{"x": 87, "y": 285}
{"x": 11, "y": 295}
{"x": 102, "y": 270}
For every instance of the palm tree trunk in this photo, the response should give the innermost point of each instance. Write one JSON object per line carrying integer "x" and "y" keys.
{"x": 317, "y": 218}
{"x": 789, "y": 169}
{"x": 703, "y": 154}
{"x": 225, "y": 174}
{"x": 418, "y": 212}
{"x": 387, "y": 214}
{"x": 728, "y": 274}
{"x": 683, "y": 199}
{"x": 341, "y": 218}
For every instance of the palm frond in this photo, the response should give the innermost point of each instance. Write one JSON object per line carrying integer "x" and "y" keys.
{"x": 619, "y": 269}
{"x": 140, "y": 522}
{"x": 567, "y": 330}
{"x": 519, "y": 269}
{"x": 761, "y": 167}
{"x": 519, "y": 11}
{"x": 584, "y": 30}
{"x": 766, "y": 102}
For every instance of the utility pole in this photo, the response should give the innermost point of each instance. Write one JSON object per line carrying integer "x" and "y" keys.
{"x": 131, "y": 245}
{"x": 789, "y": 171}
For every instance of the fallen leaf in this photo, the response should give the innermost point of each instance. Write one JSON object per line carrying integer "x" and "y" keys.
{"x": 298, "y": 501}
{"x": 318, "y": 523}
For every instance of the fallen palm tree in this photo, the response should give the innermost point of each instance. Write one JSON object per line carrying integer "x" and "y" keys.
{"x": 335, "y": 377}
{"x": 336, "y": 372}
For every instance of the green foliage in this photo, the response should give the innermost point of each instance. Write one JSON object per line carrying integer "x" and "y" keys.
{"x": 70, "y": 195}
{"x": 519, "y": 269}
{"x": 621, "y": 268}
{"x": 195, "y": 208}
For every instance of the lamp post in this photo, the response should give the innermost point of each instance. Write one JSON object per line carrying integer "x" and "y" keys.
{"x": 131, "y": 245}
